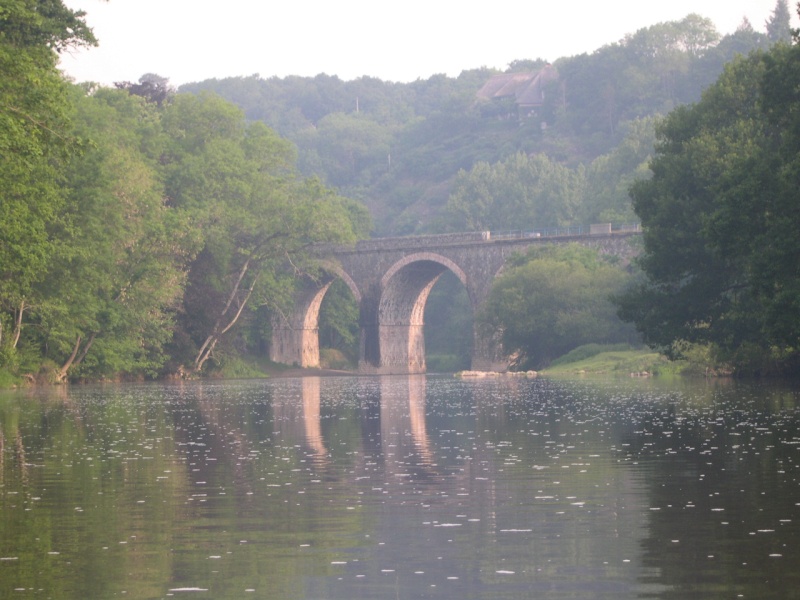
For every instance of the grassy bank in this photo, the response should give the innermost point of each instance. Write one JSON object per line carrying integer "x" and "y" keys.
{"x": 610, "y": 360}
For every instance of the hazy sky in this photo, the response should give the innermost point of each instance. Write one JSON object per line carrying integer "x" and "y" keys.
{"x": 192, "y": 40}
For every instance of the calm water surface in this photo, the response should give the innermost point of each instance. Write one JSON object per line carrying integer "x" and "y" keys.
{"x": 401, "y": 487}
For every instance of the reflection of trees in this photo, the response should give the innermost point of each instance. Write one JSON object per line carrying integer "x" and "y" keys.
{"x": 82, "y": 521}
{"x": 721, "y": 467}
{"x": 282, "y": 478}
{"x": 19, "y": 463}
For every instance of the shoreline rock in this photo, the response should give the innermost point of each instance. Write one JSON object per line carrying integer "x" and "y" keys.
{"x": 495, "y": 374}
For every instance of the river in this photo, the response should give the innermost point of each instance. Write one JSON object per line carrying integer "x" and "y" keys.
{"x": 400, "y": 488}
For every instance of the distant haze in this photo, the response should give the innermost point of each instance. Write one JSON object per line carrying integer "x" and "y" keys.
{"x": 193, "y": 40}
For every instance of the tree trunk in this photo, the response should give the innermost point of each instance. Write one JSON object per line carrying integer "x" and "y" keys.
{"x": 17, "y": 325}
{"x": 62, "y": 373}
{"x": 85, "y": 350}
{"x": 218, "y": 330}
{"x": 74, "y": 359}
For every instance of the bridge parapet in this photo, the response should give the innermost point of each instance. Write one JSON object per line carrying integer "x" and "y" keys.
{"x": 416, "y": 242}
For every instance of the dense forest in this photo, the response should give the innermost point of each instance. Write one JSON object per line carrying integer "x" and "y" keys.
{"x": 147, "y": 231}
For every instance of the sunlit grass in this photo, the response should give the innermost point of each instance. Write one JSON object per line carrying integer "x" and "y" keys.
{"x": 612, "y": 361}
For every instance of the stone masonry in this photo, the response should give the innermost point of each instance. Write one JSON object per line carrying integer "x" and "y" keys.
{"x": 391, "y": 278}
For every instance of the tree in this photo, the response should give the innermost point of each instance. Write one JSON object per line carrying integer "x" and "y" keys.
{"x": 448, "y": 325}
{"x": 553, "y": 300}
{"x": 338, "y": 321}
{"x": 118, "y": 270}
{"x": 237, "y": 184}
{"x": 608, "y": 177}
{"x": 526, "y": 65}
{"x": 34, "y": 145}
{"x": 44, "y": 25}
{"x": 779, "y": 26}
{"x": 720, "y": 217}
{"x": 152, "y": 87}
{"x": 349, "y": 149}
{"x": 521, "y": 192}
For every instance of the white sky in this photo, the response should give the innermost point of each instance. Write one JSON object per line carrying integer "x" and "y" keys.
{"x": 192, "y": 40}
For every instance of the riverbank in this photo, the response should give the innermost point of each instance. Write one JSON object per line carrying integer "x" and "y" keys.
{"x": 615, "y": 362}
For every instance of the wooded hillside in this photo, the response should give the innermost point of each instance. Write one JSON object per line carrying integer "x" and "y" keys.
{"x": 404, "y": 150}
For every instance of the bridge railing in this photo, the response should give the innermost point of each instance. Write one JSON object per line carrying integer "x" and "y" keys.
{"x": 549, "y": 232}
{"x": 469, "y": 237}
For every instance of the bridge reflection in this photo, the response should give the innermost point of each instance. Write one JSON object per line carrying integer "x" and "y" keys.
{"x": 393, "y": 429}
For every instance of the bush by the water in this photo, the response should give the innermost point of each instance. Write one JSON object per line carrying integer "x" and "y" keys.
{"x": 333, "y": 358}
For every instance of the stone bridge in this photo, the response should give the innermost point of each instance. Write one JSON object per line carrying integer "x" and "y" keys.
{"x": 391, "y": 278}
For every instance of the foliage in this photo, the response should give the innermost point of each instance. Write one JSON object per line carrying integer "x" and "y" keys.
{"x": 333, "y": 358}
{"x": 35, "y": 142}
{"x": 779, "y": 28}
{"x": 610, "y": 176}
{"x": 448, "y": 326}
{"x": 534, "y": 192}
{"x": 234, "y": 366}
{"x": 404, "y": 149}
{"x": 588, "y": 351}
{"x": 154, "y": 88}
{"x": 338, "y": 322}
{"x": 236, "y": 182}
{"x": 118, "y": 270}
{"x": 348, "y": 149}
{"x": 43, "y": 26}
{"x": 552, "y": 300}
{"x": 520, "y": 192}
{"x": 623, "y": 362}
{"x": 124, "y": 208}
{"x": 143, "y": 230}
{"x": 721, "y": 217}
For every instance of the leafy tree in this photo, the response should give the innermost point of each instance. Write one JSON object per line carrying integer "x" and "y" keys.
{"x": 709, "y": 66}
{"x": 552, "y": 300}
{"x": 448, "y": 326}
{"x": 34, "y": 145}
{"x": 779, "y": 27}
{"x": 521, "y": 192}
{"x": 399, "y": 147}
{"x": 44, "y": 25}
{"x": 648, "y": 72}
{"x": 117, "y": 272}
{"x": 609, "y": 176}
{"x": 720, "y": 218}
{"x": 152, "y": 87}
{"x": 338, "y": 321}
{"x": 349, "y": 149}
{"x": 237, "y": 183}
{"x": 526, "y": 65}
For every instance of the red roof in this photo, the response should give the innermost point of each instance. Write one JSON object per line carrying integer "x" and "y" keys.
{"x": 526, "y": 88}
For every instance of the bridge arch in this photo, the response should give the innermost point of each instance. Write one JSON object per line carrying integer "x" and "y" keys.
{"x": 295, "y": 337}
{"x": 404, "y": 291}
{"x": 424, "y": 257}
{"x": 332, "y": 268}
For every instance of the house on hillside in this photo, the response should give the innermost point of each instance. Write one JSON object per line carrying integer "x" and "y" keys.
{"x": 522, "y": 93}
